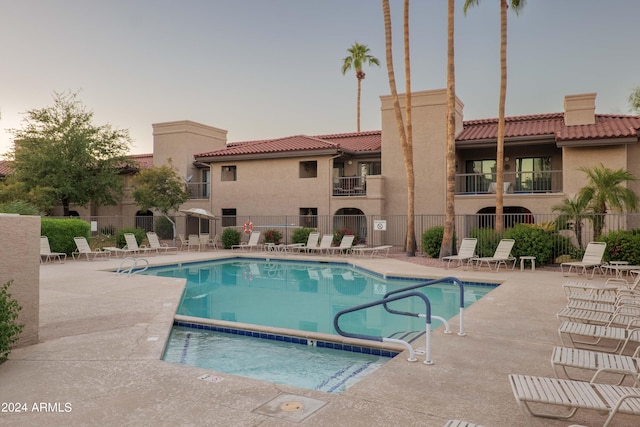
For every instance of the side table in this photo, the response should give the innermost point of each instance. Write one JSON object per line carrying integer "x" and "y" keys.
{"x": 530, "y": 258}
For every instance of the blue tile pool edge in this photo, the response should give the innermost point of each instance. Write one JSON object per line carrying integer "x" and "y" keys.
{"x": 354, "y": 348}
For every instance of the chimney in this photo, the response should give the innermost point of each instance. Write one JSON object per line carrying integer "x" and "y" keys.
{"x": 580, "y": 109}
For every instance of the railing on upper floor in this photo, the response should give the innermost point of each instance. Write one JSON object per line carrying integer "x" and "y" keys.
{"x": 199, "y": 190}
{"x": 514, "y": 182}
{"x": 350, "y": 186}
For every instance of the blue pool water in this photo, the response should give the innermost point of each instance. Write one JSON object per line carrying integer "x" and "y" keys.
{"x": 305, "y": 296}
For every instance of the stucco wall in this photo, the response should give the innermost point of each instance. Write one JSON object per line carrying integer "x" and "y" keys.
{"x": 19, "y": 261}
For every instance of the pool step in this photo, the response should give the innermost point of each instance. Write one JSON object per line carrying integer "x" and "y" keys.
{"x": 408, "y": 336}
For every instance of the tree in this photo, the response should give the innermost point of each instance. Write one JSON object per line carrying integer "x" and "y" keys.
{"x": 605, "y": 191}
{"x": 59, "y": 149}
{"x": 161, "y": 188}
{"x": 358, "y": 57}
{"x": 450, "y": 213}
{"x": 634, "y": 100}
{"x": 575, "y": 211}
{"x": 516, "y": 5}
{"x": 407, "y": 148}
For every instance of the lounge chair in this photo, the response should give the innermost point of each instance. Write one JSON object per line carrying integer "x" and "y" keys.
{"x": 133, "y": 247}
{"x": 466, "y": 253}
{"x": 254, "y": 242}
{"x": 592, "y": 258}
{"x": 345, "y": 245}
{"x": 460, "y": 423}
{"x": 362, "y": 251}
{"x": 45, "y": 252}
{"x": 587, "y": 360}
{"x": 325, "y": 244}
{"x": 154, "y": 243}
{"x": 574, "y": 395}
{"x": 611, "y": 285}
{"x": 502, "y": 255}
{"x": 608, "y": 339}
{"x": 312, "y": 242}
{"x": 620, "y": 316}
{"x": 83, "y": 248}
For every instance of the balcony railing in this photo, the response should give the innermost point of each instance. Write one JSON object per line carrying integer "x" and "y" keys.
{"x": 514, "y": 182}
{"x": 350, "y": 186}
{"x": 199, "y": 190}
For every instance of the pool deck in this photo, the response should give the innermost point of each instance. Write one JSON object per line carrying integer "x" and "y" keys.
{"x": 102, "y": 336}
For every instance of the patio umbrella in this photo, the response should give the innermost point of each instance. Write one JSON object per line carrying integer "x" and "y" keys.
{"x": 200, "y": 214}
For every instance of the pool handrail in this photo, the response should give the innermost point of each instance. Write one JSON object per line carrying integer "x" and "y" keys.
{"x": 134, "y": 269}
{"x": 427, "y": 317}
{"x": 429, "y": 283}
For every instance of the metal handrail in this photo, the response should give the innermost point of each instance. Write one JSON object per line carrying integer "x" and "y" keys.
{"x": 133, "y": 269}
{"x": 427, "y": 316}
{"x": 429, "y": 283}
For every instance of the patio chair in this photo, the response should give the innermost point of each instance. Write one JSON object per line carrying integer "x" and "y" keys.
{"x": 254, "y": 242}
{"x": 466, "y": 253}
{"x": 345, "y": 245}
{"x": 574, "y": 395}
{"x": 83, "y": 248}
{"x": 610, "y": 286}
{"x": 619, "y": 315}
{"x": 183, "y": 242}
{"x": 193, "y": 241}
{"x": 608, "y": 339}
{"x": 312, "y": 242}
{"x": 325, "y": 244}
{"x": 502, "y": 255}
{"x": 45, "y": 252}
{"x": 154, "y": 243}
{"x": 592, "y": 258}
{"x": 132, "y": 245}
{"x": 578, "y": 359}
{"x": 362, "y": 251}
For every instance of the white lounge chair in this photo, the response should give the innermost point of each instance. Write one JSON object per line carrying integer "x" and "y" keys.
{"x": 83, "y": 248}
{"x": 154, "y": 243}
{"x": 312, "y": 242}
{"x": 362, "y": 251}
{"x": 254, "y": 242}
{"x": 502, "y": 255}
{"x": 325, "y": 244}
{"x": 574, "y": 395}
{"x": 610, "y": 286}
{"x": 592, "y": 258}
{"x": 345, "y": 245}
{"x": 466, "y": 253}
{"x": 132, "y": 245}
{"x": 621, "y": 316}
{"x": 45, "y": 252}
{"x": 608, "y": 339}
{"x": 578, "y": 359}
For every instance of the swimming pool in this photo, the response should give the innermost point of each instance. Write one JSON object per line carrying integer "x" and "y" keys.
{"x": 305, "y": 296}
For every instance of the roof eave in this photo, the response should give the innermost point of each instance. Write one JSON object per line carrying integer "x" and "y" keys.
{"x": 596, "y": 142}
{"x": 261, "y": 156}
{"x": 511, "y": 141}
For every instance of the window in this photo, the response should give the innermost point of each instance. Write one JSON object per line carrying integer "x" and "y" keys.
{"x": 309, "y": 169}
{"x": 370, "y": 168}
{"x": 533, "y": 174}
{"x": 229, "y": 173}
{"x": 206, "y": 183}
{"x": 229, "y": 217}
{"x": 309, "y": 217}
{"x": 479, "y": 175}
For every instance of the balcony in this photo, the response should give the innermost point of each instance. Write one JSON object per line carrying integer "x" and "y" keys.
{"x": 350, "y": 186}
{"x": 514, "y": 182}
{"x": 198, "y": 190}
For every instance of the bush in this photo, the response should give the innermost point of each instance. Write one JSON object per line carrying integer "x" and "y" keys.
{"x": 272, "y": 236}
{"x": 9, "y": 328}
{"x": 531, "y": 241}
{"x": 62, "y": 231}
{"x": 138, "y": 232}
{"x": 622, "y": 246}
{"x": 230, "y": 237}
{"x": 164, "y": 228}
{"x": 339, "y": 234}
{"x": 488, "y": 241}
{"x": 301, "y": 235}
{"x": 431, "y": 241}
{"x": 20, "y": 207}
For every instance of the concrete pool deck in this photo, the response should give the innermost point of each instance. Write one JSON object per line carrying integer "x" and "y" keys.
{"x": 102, "y": 336}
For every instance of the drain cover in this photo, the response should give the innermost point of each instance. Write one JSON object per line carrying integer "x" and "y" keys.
{"x": 291, "y": 406}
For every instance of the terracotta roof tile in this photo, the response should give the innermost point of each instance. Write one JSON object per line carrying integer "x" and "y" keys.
{"x": 605, "y": 127}
{"x": 356, "y": 142}
{"x": 144, "y": 161}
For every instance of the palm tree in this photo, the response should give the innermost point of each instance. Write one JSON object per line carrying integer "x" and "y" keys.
{"x": 574, "y": 210}
{"x": 358, "y": 57}
{"x": 605, "y": 191}
{"x": 449, "y": 215}
{"x": 407, "y": 149}
{"x": 516, "y": 5}
{"x": 634, "y": 99}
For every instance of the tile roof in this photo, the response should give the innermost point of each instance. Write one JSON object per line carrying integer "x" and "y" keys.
{"x": 144, "y": 161}
{"x": 348, "y": 142}
{"x": 552, "y": 124}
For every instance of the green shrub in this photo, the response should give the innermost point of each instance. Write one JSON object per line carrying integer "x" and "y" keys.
{"x": 62, "y": 231}
{"x": 164, "y": 228}
{"x": 488, "y": 241}
{"x": 272, "y": 236}
{"x": 301, "y": 235}
{"x": 230, "y": 237}
{"x": 431, "y": 241}
{"x": 9, "y": 328}
{"x": 138, "y": 232}
{"x": 339, "y": 234}
{"x": 531, "y": 241}
{"x": 622, "y": 246}
{"x": 20, "y": 207}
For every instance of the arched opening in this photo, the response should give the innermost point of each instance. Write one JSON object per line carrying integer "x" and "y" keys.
{"x": 512, "y": 215}
{"x": 352, "y": 220}
{"x": 144, "y": 220}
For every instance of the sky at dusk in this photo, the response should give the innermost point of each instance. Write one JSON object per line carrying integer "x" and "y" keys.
{"x": 272, "y": 68}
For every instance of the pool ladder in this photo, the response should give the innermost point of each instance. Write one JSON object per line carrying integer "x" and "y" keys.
{"x": 405, "y": 293}
{"x": 133, "y": 269}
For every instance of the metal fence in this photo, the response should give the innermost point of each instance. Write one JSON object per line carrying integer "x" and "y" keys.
{"x": 372, "y": 230}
